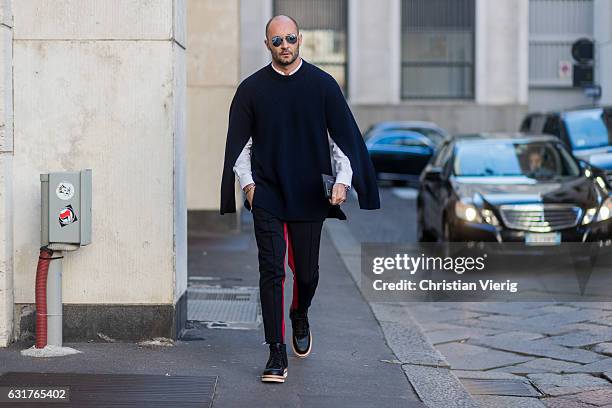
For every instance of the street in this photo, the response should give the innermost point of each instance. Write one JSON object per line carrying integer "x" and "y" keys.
{"x": 505, "y": 354}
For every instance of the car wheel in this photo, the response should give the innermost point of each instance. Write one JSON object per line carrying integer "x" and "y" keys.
{"x": 423, "y": 234}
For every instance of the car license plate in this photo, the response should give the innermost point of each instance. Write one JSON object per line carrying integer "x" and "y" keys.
{"x": 547, "y": 238}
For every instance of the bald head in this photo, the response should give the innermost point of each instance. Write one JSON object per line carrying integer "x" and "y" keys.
{"x": 282, "y": 22}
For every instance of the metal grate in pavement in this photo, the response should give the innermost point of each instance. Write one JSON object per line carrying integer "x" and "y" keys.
{"x": 514, "y": 388}
{"x": 116, "y": 390}
{"x": 224, "y": 307}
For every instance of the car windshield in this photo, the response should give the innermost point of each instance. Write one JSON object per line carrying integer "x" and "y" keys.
{"x": 540, "y": 160}
{"x": 589, "y": 128}
{"x": 435, "y": 135}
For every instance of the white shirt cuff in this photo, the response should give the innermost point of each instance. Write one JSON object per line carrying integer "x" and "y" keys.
{"x": 245, "y": 179}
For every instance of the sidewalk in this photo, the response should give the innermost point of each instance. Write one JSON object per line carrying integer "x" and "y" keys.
{"x": 349, "y": 365}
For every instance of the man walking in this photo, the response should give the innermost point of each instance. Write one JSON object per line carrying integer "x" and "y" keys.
{"x": 278, "y": 145}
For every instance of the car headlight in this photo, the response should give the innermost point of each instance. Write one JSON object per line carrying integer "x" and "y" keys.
{"x": 467, "y": 212}
{"x": 604, "y": 213}
{"x": 589, "y": 215}
{"x": 489, "y": 217}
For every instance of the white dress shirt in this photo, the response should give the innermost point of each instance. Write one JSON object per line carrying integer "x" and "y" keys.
{"x": 342, "y": 164}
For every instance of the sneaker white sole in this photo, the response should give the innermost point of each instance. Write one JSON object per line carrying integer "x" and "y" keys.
{"x": 307, "y": 351}
{"x": 274, "y": 378}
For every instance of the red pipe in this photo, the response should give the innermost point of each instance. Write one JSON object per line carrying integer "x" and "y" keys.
{"x": 41, "y": 296}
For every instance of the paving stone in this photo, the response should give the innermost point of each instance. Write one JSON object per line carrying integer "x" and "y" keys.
{"x": 561, "y": 319}
{"x": 564, "y": 402}
{"x": 429, "y": 327}
{"x": 411, "y": 346}
{"x": 457, "y": 333}
{"x": 515, "y": 336}
{"x": 592, "y": 305}
{"x": 598, "y": 367}
{"x": 447, "y": 315}
{"x": 470, "y": 357}
{"x": 603, "y": 348}
{"x": 496, "y": 401}
{"x": 540, "y": 365}
{"x": 438, "y": 387}
{"x": 486, "y": 375}
{"x": 564, "y": 384}
{"x": 584, "y": 337}
{"x": 558, "y": 308}
{"x": 557, "y": 331}
{"x": 523, "y": 309}
{"x": 597, "y": 397}
{"x": 540, "y": 348}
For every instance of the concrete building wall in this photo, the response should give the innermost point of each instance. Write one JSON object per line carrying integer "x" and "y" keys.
{"x": 554, "y": 25}
{"x": 374, "y": 60}
{"x": 501, "y": 70}
{"x": 603, "y": 48}
{"x": 98, "y": 85}
{"x": 254, "y": 14}
{"x": 213, "y": 72}
{"x": 6, "y": 171}
{"x": 501, "y": 51}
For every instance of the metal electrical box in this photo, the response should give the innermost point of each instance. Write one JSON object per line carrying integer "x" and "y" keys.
{"x": 66, "y": 207}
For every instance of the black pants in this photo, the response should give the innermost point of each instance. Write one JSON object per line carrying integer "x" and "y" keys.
{"x": 300, "y": 240}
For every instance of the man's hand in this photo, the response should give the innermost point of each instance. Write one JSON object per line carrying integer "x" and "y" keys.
{"x": 250, "y": 193}
{"x": 338, "y": 194}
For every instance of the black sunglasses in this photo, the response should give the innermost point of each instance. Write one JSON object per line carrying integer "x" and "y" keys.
{"x": 277, "y": 40}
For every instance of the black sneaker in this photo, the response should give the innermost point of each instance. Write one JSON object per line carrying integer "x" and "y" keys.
{"x": 276, "y": 368}
{"x": 301, "y": 339}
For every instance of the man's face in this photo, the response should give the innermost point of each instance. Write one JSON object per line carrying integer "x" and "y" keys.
{"x": 285, "y": 53}
{"x": 535, "y": 161}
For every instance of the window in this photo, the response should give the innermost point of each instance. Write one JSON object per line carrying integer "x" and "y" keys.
{"x": 553, "y": 27}
{"x": 443, "y": 155}
{"x": 438, "y": 48}
{"x": 323, "y": 26}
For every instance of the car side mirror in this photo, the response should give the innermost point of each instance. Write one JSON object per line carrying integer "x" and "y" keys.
{"x": 583, "y": 164}
{"x": 433, "y": 174}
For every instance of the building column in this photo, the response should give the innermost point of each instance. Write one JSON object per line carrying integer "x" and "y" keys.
{"x": 379, "y": 82}
{"x": 501, "y": 52}
{"x": 101, "y": 85}
{"x": 6, "y": 167}
{"x": 603, "y": 48}
{"x": 213, "y": 73}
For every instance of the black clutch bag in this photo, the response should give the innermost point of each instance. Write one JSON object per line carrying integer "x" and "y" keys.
{"x": 328, "y": 184}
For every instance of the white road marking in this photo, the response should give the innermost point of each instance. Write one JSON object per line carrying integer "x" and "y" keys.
{"x": 405, "y": 193}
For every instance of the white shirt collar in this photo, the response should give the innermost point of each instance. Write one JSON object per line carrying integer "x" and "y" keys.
{"x": 291, "y": 73}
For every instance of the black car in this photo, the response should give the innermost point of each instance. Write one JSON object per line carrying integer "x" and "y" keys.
{"x": 586, "y": 130}
{"x": 511, "y": 188}
{"x": 400, "y": 150}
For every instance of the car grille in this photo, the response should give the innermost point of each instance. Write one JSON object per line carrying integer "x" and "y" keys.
{"x": 540, "y": 217}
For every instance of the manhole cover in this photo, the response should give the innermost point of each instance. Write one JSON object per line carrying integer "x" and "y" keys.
{"x": 224, "y": 307}
{"x": 117, "y": 390}
{"x": 515, "y": 388}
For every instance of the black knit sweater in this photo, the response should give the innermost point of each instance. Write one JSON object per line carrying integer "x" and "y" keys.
{"x": 288, "y": 118}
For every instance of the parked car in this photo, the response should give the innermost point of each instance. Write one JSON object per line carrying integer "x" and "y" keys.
{"x": 428, "y": 129}
{"x": 400, "y": 150}
{"x": 511, "y": 188}
{"x": 586, "y": 130}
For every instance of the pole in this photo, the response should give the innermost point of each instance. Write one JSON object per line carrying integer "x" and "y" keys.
{"x": 54, "y": 301}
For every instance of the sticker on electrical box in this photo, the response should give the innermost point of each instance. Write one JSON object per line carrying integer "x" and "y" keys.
{"x": 67, "y": 216}
{"x": 64, "y": 190}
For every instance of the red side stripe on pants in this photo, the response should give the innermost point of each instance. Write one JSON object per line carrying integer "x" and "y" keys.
{"x": 294, "y": 301}
{"x": 291, "y": 262}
